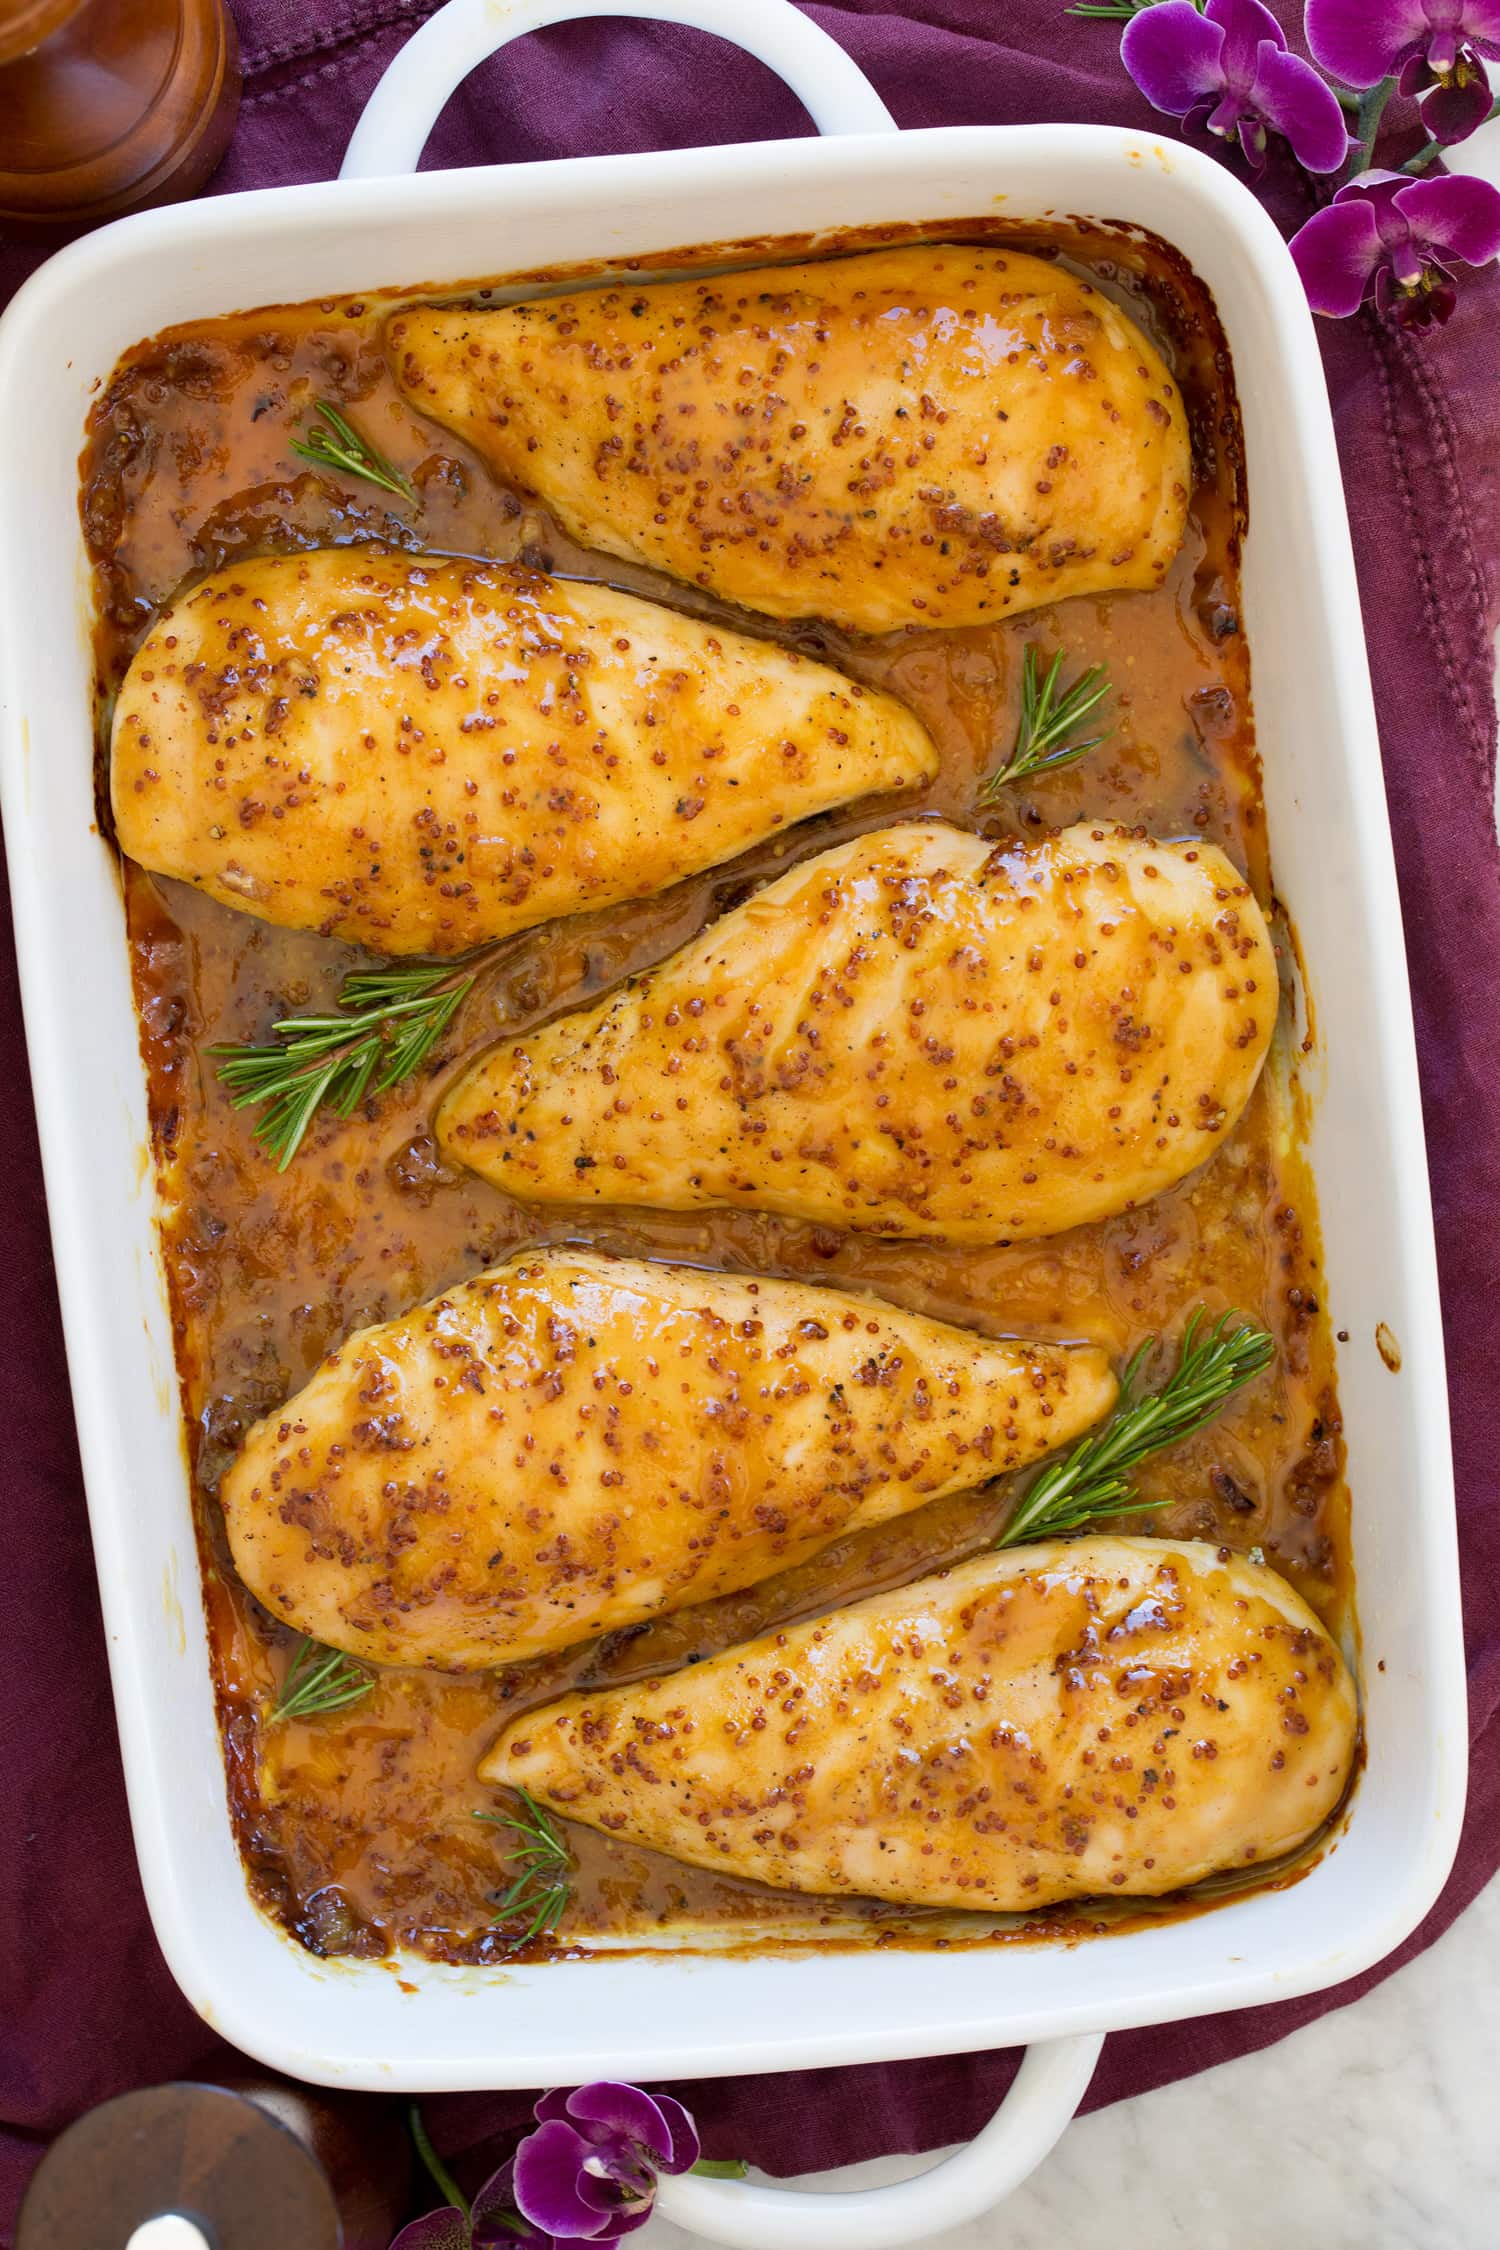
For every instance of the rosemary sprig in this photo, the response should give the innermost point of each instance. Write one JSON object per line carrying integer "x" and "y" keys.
{"x": 320, "y": 1680}
{"x": 392, "y": 1019}
{"x": 1048, "y": 718}
{"x": 340, "y": 446}
{"x": 544, "y": 1869}
{"x": 1092, "y": 1483}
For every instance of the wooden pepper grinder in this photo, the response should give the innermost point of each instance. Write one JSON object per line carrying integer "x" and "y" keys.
{"x": 106, "y": 105}
{"x": 256, "y": 2165}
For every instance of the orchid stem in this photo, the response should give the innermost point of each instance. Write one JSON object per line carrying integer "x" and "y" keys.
{"x": 1367, "y": 124}
{"x": 442, "y": 2178}
{"x": 1347, "y": 98}
{"x": 720, "y": 2167}
{"x": 1428, "y": 155}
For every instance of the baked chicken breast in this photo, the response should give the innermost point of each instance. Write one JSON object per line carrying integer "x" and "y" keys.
{"x": 1097, "y": 1716}
{"x": 912, "y": 1034}
{"x": 570, "y": 1443}
{"x": 934, "y": 435}
{"x": 420, "y": 754}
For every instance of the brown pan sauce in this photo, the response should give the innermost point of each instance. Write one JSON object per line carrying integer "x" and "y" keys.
{"x": 358, "y": 1829}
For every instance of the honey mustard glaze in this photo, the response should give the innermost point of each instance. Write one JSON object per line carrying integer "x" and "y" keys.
{"x": 358, "y": 1829}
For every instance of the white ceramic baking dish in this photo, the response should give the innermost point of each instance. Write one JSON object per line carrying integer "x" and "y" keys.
{"x": 668, "y": 2015}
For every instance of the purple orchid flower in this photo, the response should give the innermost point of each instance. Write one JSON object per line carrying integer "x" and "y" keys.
{"x": 588, "y": 2172}
{"x": 586, "y": 2175}
{"x": 1387, "y": 236}
{"x": 1229, "y": 69}
{"x": 491, "y": 2222}
{"x": 1421, "y": 44}
{"x": 447, "y": 2229}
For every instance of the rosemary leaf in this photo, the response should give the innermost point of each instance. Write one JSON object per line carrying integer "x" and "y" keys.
{"x": 340, "y": 446}
{"x": 319, "y": 1680}
{"x": 1047, "y": 738}
{"x": 543, "y": 1879}
{"x": 391, "y": 1019}
{"x": 1092, "y": 1482}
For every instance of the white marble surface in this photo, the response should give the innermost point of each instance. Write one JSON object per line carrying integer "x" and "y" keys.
{"x": 1376, "y": 2128}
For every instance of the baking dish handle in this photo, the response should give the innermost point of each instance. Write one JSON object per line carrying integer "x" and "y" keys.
{"x": 404, "y": 107}
{"x": 1051, "y": 2082}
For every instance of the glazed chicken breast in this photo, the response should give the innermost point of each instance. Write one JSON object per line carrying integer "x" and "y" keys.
{"x": 421, "y": 754}
{"x": 1097, "y": 1716}
{"x": 933, "y": 435}
{"x": 916, "y": 1033}
{"x": 570, "y": 1443}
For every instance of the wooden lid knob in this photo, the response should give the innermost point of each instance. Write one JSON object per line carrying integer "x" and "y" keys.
{"x": 106, "y": 105}
{"x": 24, "y": 24}
{"x": 203, "y": 2168}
